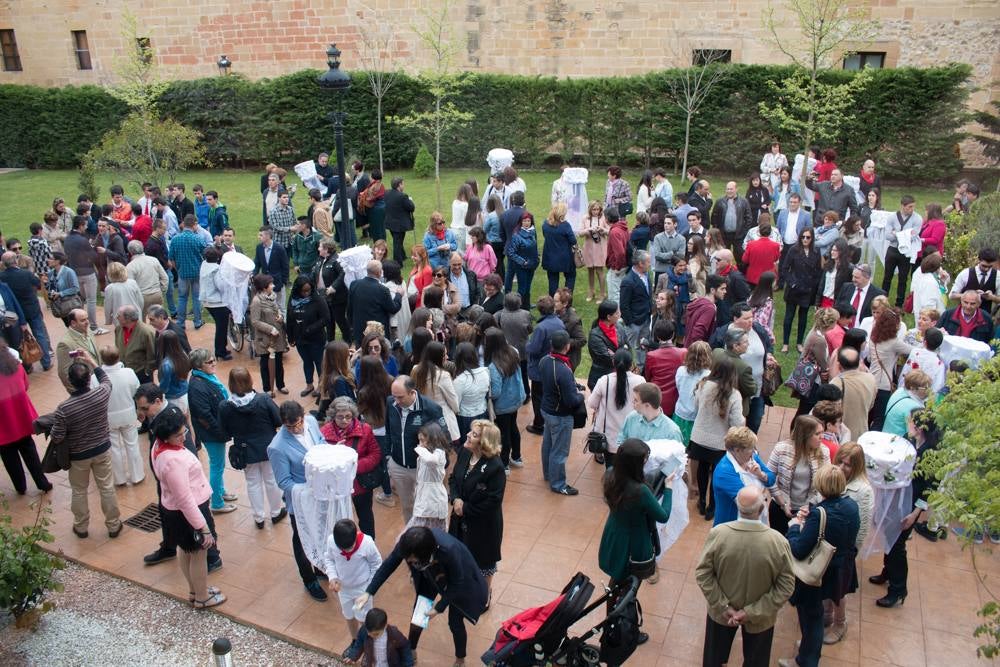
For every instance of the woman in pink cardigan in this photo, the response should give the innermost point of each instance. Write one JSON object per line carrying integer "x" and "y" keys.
{"x": 933, "y": 231}
{"x": 184, "y": 494}
{"x": 17, "y": 414}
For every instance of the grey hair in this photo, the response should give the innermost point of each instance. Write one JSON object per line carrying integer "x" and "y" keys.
{"x": 342, "y": 403}
{"x": 639, "y": 256}
{"x": 159, "y": 312}
{"x": 135, "y": 248}
{"x": 866, "y": 269}
{"x": 129, "y": 312}
{"x": 9, "y": 259}
{"x": 734, "y": 337}
{"x": 198, "y": 357}
{"x": 374, "y": 267}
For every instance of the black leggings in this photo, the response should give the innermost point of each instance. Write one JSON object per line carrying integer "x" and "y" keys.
{"x": 803, "y": 320}
{"x": 706, "y": 458}
{"x": 896, "y": 260}
{"x": 279, "y": 372}
{"x": 510, "y": 437}
{"x": 456, "y": 622}
{"x": 12, "y": 455}
{"x": 366, "y": 517}
{"x": 221, "y": 317}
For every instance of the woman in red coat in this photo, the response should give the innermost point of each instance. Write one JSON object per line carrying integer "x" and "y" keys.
{"x": 16, "y": 414}
{"x": 933, "y": 231}
{"x": 344, "y": 428}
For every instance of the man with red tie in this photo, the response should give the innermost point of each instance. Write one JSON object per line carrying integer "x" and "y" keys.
{"x": 860, "y": 293}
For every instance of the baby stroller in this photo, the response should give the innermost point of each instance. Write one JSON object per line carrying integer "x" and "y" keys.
{"x": 540, "y": 636}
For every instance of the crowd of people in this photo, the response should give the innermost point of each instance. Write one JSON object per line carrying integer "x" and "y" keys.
{"x": 433, "y": 365}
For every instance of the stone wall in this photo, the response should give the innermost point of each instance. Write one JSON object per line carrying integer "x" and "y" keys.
{"x": 565, "y": 38}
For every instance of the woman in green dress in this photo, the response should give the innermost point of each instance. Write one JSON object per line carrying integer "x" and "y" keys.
{"x": 627, "y": 542}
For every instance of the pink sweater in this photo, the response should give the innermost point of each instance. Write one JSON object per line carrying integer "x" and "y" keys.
{"x": 481, "y": 262}
{"x": 182, "y": 483}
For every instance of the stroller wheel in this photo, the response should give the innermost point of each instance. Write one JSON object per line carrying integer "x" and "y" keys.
{"x": 235, "y": 336}
{"x": 590, "y": 656}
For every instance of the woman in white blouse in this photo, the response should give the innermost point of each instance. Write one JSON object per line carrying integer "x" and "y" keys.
{"x": 930, "y": 284}
{"x": 611, "y": 401}
{"x": 459, "y": 208}
{"x": 434, "y": 382}
{"x": 472, "y": 386}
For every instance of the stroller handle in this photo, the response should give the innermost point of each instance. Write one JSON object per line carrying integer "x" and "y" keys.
{"x": 628, "y": 597}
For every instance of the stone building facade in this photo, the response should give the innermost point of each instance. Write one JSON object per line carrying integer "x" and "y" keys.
{"x": 77, "y": 41}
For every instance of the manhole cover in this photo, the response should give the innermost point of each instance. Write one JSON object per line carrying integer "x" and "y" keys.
{"x": 148, "y": 520}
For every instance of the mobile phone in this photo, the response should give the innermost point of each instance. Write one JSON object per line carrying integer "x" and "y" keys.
{"x": 921, "y": 504}
{"x": 74, "y": 353}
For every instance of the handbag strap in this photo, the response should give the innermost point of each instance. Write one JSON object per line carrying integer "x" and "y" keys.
{"x": 607, "y": 394}
{"x": 892, "y": 383}
{"x": 822, "y": 523}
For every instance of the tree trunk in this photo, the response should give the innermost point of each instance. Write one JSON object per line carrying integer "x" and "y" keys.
{"x": 809, "y": 129}
{"x": 437, "y": 150}
{"x": 687, "y": 140}
{"x": 379, "y": 117}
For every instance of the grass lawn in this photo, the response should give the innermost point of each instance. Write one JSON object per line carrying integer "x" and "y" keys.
{"x": 28, "y": 194}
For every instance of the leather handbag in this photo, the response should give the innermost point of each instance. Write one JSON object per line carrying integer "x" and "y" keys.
{"x": 771, "y": 381}
{"x": 238, "y": 456}
{"x": 642, "y": 569}
{"x": 810, "y": 570}
{"x": 580, "y": 411}
{"x": 802, "y": 378}
{"x": 578, "y": 257}
{"x": 31, "y": 351}
{"x": 62, "y": 306}
{"x": 597, "y": 441}
{"x": 371, "y": 479}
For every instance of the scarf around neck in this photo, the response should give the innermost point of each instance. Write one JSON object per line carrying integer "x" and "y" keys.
{"x": 563, "y": 358}
{"x": 213, "y": 380}
{"x": 357, "y": 545}
{"x": 610, "y": 331}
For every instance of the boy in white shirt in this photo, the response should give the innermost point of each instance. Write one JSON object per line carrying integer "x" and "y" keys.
{"x": 350, "y": 561}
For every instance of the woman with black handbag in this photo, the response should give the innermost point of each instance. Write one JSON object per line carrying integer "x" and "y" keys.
{"x": 611, "y": 401}
{"x": 344, "y": 428}
{"x": 628, "y": 544}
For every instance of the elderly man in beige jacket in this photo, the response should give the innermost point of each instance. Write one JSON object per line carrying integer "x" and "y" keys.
{"x": 746, "y": 576}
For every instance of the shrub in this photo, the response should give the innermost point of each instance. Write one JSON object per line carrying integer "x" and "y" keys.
{"x": 423, "y": 164}
{"x": 27, "y": 572}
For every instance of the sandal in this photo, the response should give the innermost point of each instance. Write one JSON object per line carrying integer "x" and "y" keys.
{"x": 214, "y": 601}
{"x": 212, "y": 590}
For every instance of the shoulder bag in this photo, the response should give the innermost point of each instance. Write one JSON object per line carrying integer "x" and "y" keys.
{"x": 371, "y": 479}
{"x": 62, "y": 306}
{"x": 578, "y": 257}
{"x": 597, "y": 441}
{"x": 772, "y": 380}
{"x": 238, "y": 456}
{"x": 31, "y": 351}
{"x": 804, "y": 374}
{"x": 810, "y": 570}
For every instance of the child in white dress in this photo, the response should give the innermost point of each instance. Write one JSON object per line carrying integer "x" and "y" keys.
{"x": 430, "y": 506}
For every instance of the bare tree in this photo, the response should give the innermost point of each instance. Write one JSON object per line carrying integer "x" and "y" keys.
{"x": 379, "y": 44}
{"x": 829, "y": 30}
{"x": 689, "y": 90}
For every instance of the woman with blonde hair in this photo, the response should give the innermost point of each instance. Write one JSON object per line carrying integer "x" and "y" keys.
{"x": 120, "y": 291}
{"x": 420, "y": 275}
{"x": 795, "y": 463}
{"x": 594, "y": 229}
{"x": 557, "y": 253}
{"x": 440, "y": 241}
{"x": 851, "y": 461}
{"x": 477, "y": 488}
{"x": 698, "y": 265}
{"x": 816, "y": 350}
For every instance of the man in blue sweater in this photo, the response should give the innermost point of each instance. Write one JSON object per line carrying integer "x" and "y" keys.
{"x": 560, "y": 398}
{"x": 538, "y": 346}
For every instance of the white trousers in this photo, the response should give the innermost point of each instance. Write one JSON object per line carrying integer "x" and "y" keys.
{"x": 261, "y": 483}
{"x": 126, "y": 461}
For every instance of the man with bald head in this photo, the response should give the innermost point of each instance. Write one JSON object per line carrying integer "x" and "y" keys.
{"x": 407, "y": 411}
{"x": 859, "y": 388}
{"x": 745, "y": 573}
{"x": 78, "y": 337}
{"x": 732, "y": 215}
{"x": 968, "y": 319}
{"x": 369, "y": 300}
{"x": 833, "y": 195}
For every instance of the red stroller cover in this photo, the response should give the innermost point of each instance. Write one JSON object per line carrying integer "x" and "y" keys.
{"x": 524, "y": 626}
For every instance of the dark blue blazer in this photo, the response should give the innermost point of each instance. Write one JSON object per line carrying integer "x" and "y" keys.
{"x": 277, "y": 268}
{"x": 635, "y": 299}
{"x": 369, "y": 300}
{"x": 842, "y": 523}
{"x": 557, "y": 253}
{"x": 24, "y": 284}
{"x": 11, "y": 303}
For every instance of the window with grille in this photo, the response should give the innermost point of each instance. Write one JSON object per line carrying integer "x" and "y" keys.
{"x": 11, "y": 58}
{"x": 82, "y": 50}
{"x": 859, "y": 61}
{"x": 701, "y": 57}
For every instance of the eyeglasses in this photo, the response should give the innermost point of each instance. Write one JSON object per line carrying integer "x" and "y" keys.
{"x": 440, "y": 275}
{"x": 16, "y": 248}
{"x": 210, "y": 361}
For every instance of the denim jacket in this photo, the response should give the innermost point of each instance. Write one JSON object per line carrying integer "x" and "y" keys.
{"x": 66, "y": 282}
{"x": 507, "y": 392}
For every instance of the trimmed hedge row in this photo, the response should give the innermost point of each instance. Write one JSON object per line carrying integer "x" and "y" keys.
{"x": 909, "y": 118}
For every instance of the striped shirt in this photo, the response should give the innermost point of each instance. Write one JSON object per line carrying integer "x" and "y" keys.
{"x": 281, "y": 219}
{"x": 82, "y": 420}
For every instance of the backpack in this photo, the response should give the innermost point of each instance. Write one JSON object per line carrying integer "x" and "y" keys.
{"x": 621, "y": 635}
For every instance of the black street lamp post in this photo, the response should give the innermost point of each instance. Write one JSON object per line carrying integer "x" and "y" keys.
{"x": 337, "y": 83}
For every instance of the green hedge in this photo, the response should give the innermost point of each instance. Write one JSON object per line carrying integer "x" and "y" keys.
{"x": 909, "y": 118}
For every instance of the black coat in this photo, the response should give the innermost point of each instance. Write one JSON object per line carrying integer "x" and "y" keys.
{"x": 204, "y": 399}
{"x": 253, "y": 424}
{"x": 333, "y": 276}
{"x": 481, "y": 491}
{"x": 737, "y": 290}
{"x": 307, "y": 323}
{"x": 602, "y": 353}
{"x": 635, "y": 299}
{"x": 369, "y": 300}
{"x": 846, "y": 295}
{"x": 491, "y": 304}
{"x": 842, "y": 523}
{"x": 398, "y": 211}
{"x": 24, "y": 285}
{"x": 453, "y": 574}
{"x": 802, "y": 275}
{"x": 400, "y": 447}
{"x": 277, "y": 268}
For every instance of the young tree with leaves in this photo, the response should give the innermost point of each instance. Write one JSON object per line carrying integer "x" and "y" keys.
{"x": 828, "y": 30}
{"x": 441, "y": 81}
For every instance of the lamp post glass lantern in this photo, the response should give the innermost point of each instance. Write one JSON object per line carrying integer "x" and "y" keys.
{"x": 337, "y": 83}
{"x": 224, "y": 64}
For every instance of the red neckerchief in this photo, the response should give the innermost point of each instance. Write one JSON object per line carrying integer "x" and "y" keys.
{"x": 357, "y": 545}
{"x": 127, "y": 333}
{"x": 867, "y": 179}
{"x": 160, "y": 445}
{"x": 563, "y": 358}
{"x": 440, "y": 235}
{"x": 724, "y": 271}
{"x": 610, "y": 331}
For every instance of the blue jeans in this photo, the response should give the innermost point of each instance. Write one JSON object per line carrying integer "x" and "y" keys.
{"x": 41, "y": 334}
{"x": 756, "y": 415}
{"x": 216, "y": 466}
{"x": 555, "y": 449}
{"x": 524, "y": 278}
{"x": 184, "y": 288}
{"x": 171, "y": 304}
{"x": 811, "y": 624}
{"x": 312, "y": 358}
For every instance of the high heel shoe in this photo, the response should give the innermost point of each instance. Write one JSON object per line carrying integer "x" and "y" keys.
{"x": 891, "y": 601}
{"x": 878, "y": 579}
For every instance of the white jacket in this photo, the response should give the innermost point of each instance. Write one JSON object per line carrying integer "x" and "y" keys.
{"x": 121, "y": 406}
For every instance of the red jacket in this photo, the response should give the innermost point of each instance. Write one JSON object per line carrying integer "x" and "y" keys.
{"x": 617, "y": 241}
{"x": 661, "y": 369}
{"x": 700, "y": 320}
{"x": 761, "y": 255}
{"x": 16, "y": 410}
{"x": 932, "y": 233}
{"x": 357, "y": 436}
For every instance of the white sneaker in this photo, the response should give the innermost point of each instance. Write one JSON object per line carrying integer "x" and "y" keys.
{"x": 382, "y": 499}
{"x": 100, "y": 332}
{"x": 517, "y": 463}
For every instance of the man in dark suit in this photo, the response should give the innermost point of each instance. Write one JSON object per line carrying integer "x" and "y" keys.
{"x": 398, "y": 218}
{"x": 160, "y": 321}
{"x": 369, "y": 300}
{"x": 25, "y": 285}
{"x": 701, "y": 199}
{"x": 860, "y": 293}
{"x": 272, "y": 259}
{"x": 636, "y": 303}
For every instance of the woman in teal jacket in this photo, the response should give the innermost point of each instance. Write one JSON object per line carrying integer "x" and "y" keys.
{"x": 911, "y": 396}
